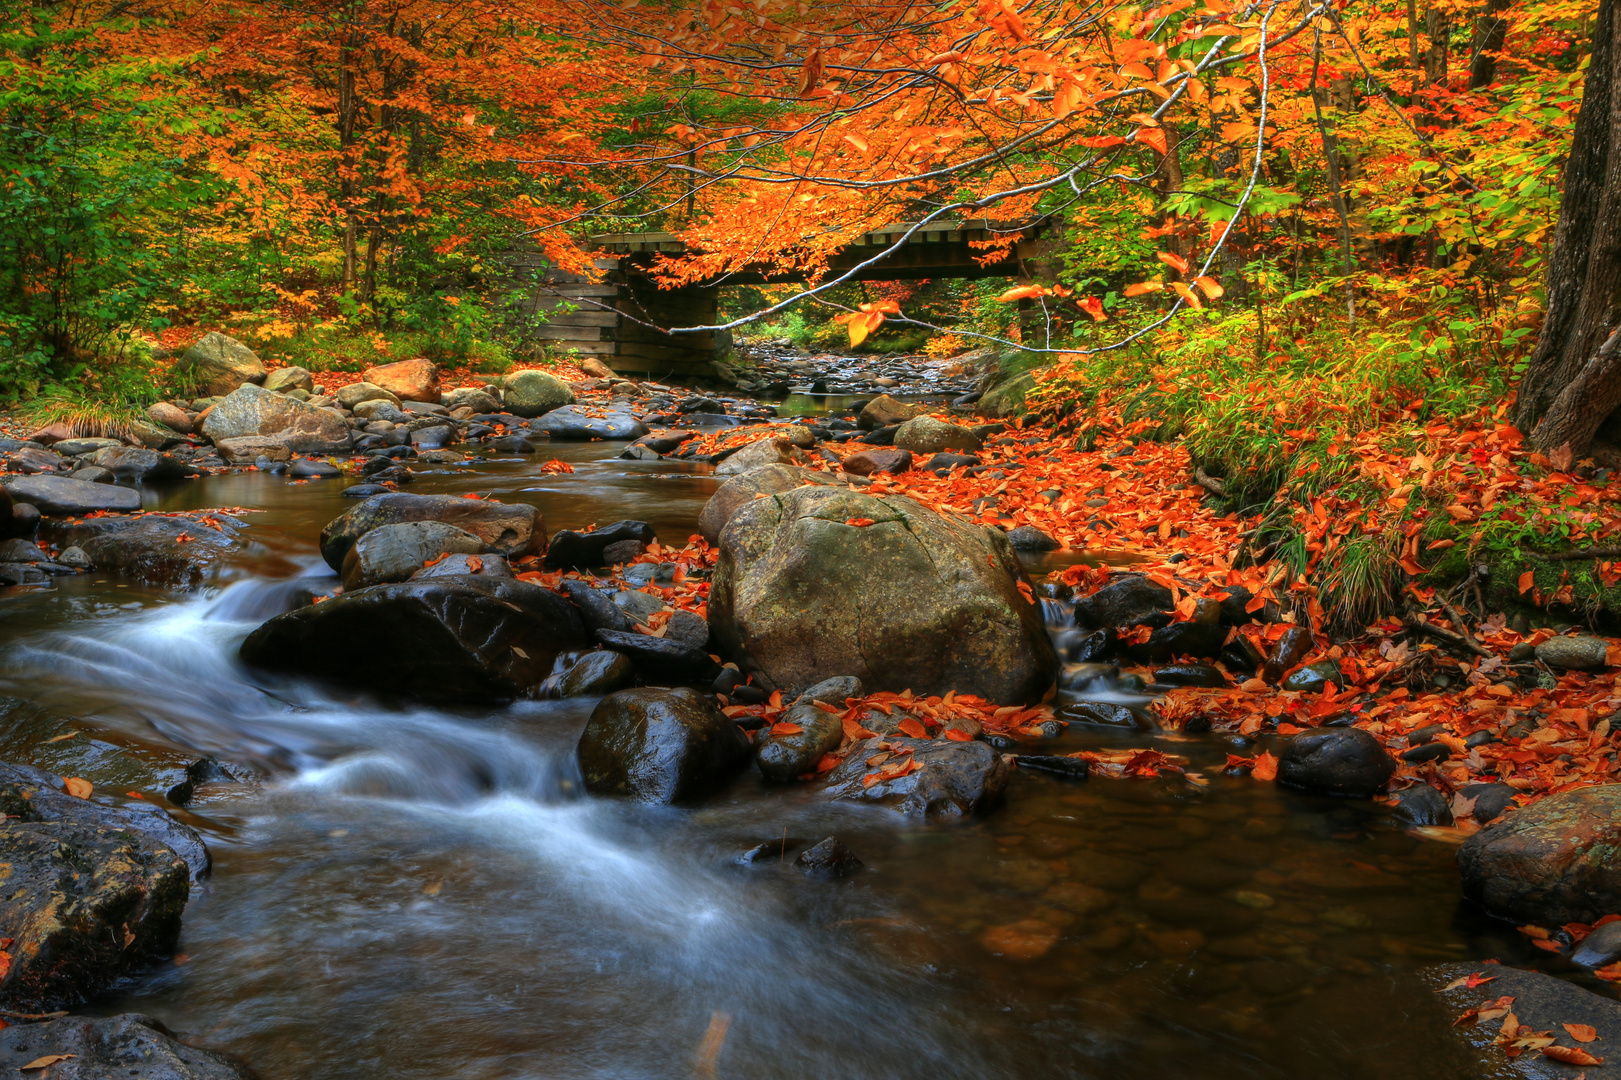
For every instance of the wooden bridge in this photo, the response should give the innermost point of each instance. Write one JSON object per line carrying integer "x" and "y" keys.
{"x": 609, "y": 319}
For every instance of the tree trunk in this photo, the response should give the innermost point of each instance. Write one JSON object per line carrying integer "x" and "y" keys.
{"x": 1435, "y": 60}
{"x": 1331, "y": 156}
{"x": 1412, "y": 33}
{"x": 1490, "y": 30}
{"x": 348, "y": 106}
{"x": 1573, "y": 381}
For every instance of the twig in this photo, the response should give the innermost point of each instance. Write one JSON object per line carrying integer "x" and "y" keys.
{"x": 1578, "y": 553}
{"x": 1418, "y": 626}
{"x": 1209, "y": 483}
{"x": 34, "y": 1016}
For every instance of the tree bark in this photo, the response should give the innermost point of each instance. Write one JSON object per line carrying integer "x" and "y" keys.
{"x": 1564, "y": 396}
{"x": 1490, "y": 30}
{"x": 1331, "y": 155}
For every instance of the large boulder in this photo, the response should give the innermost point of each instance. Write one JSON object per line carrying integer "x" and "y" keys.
{"x": 168, "y": 551}
{"x": 884, "y": 411}
{"x": 437, "y": 639}
{"x": 803, "y": 590}
{"x": 659, "y": 746}
{"x": 741, "y": 491}
{"x": 583, "y": 550}
{"x": 950, "y": 779}
{"x": 1335, "y": 761}
{"x": 512, "y": 529}
{"x": 216, "y": 365}
{"x": 570, "y": 424}
{"x": 253, "y": 410}
{"x": 926, "y": 435}
{"x": 128, "y": 1046}
{"x": 760, "y": 453}
{"x": 64, "y": 496}
{"x": 534, "y": 393}
{"x": 395, "y": 552}
{"x": 408, "y": 380}
{"x": 1555, "y": 861}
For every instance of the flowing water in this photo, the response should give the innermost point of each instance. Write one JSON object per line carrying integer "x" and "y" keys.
{"x": 421, "y": 893}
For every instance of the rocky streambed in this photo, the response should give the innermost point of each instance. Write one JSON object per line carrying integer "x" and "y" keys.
{"x": 416, "y": 784}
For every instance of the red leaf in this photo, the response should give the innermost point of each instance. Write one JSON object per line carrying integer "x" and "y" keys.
{"x": 785, "y": 728}
{"x": 1266, "y": 766}
{"x": 1571, "y": 1055}
{"x": 860, "y": 523}
{"x": 913, "y": 728}
{"x": 1581, "y": 1032}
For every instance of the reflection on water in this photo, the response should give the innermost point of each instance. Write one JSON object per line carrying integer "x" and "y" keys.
{"x": 423, "y": 893}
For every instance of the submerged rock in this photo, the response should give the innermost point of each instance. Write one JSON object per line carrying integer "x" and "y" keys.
{"x": 440, "y": 639}
{"x": 953, "y": 779}
{"x": 1555, "y": 861}
{"x": 829, "y": 859}
{"x": 803, "y": 591}
{"x": 660, "y": 746}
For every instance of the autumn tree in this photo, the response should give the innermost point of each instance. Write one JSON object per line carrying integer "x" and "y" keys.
{"x": 1572, "y": 386}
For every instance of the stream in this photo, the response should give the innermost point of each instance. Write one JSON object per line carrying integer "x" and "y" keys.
{"x": 423, "y": 893}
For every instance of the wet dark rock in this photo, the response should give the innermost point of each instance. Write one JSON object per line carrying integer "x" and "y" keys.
{"x": 510, "y": 444}
{"x": 21, "y": 551}
{"x": 740, "y": 491}
{"x": 940, "y": 464}
{"x": 664, "y": 442}
{"x": 73, "y": 893}
{"x": 1337, "y": 761}
{"x": 512, "y": 529}
{"x": 787, "y": 757}
{"x": 688, "y": 628}
{"x": 1030, "y": 538}
{"x": 597, "y": 673}
{"x": 596, "y": 607}
{"x": 1427, "y": 752}
{"x": 884, "y": 436}
{"x": 1313, "y": 677}
{"x": 1080, "y": 647}
{"x": 775, "y": 850}
{"x": 202, "y": 771}
{"x": 1601, "y": 947}
{"x": 570, "y": 424}
{"x": 25, "y": 520}
{"x": 660, "y": 746}
{"x": 391, "y": 553}
{"x": 1189, "y": 675}
{"x": 1101, "y": 714}
{"x": 882, "y": 459}
{"x": 1067, "y": 767}
{"x": 22, "y": 574}
{"x": 147, "y": 548}
{"x": 829, "y": 859}
{"x": 1194, "y": 639}
{"x": 1127, "y": 600}
{"x": 443, "y": 639}
{"x": 1423, "y": 805}
{"x": 128, "y": 1046}
{"x": 799, "y": 595}
{"x": 583, "y": 550}
{"x": 63, "y": 496}
{"x": 364, "y": 491}
{"x": 663, "y": 660}
{"x": 622, "y": 551}
{"x": 1289, "y": 650}
{"x": 955, "y": 780}
{"x": 835, "y": 691}
{"x": 1491, "y": 800}
{"x": 1241, "y": 654}
{"x": 1540, "y": 1003}
{"x": 304, "y": 469}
